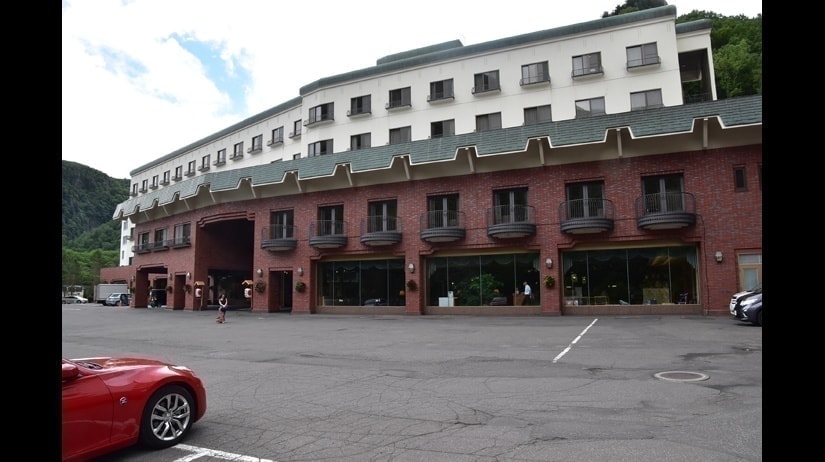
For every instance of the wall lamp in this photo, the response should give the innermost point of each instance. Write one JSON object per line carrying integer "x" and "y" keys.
{"x": 170, "y": 275}
{"x": 718, "y": 256}
{"x": 411, "y": 268}
{"x": 260, "y": 272}
{"x": 188, "y": 275}
{"x": 133, "y": 278}
{"x": 300, "y": 271}
{"x": 548, "y": 262}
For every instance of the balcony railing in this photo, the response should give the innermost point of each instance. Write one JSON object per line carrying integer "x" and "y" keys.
{"x": 442, "y": 226}
{"x": 511, "y": 221}
{"x": 328, "y": 234}
{"x": 179, "y": 242}
{"x": 667, "y": 210}
{"x": 592, "y": 70}
{"x": 586, "y": 216}
{"x": 534, "y": 79}
{"x": 377, "y": 230}
{"x": 278, "y": 238}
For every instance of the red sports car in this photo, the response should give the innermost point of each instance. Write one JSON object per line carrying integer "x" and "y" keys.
{"x": 111, "y": 403}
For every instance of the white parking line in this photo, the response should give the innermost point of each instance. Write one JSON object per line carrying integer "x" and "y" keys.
{"x": 204, "y": 452}
{"x": 564, "y": 352}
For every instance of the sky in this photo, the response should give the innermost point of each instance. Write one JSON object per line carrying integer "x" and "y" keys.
{"x": 143, "y": 78}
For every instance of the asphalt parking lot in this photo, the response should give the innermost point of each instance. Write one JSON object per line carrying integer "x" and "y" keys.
{"x": 448, "y": 388}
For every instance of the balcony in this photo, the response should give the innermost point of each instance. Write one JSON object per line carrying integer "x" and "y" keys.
{"x": 485, "y": 89}
{"x": 442, "y": 226}
{"x": 439, "y": 97}
{"x": 158, "y": 246}
{"x": 312, "y": 121}
{"x": 668, "y": 210}
{"x": 203, "y": 168}
{"x": 236, "y": 156}
{"x": 511, "y": 221}
{"x": 586, "y": 216}
{"x": 219, "y": 162}
{"x": 395, "y": 104}
{"x": 255, "y": 149}
{"x": 146, "y": 247}
{"x": 181, "y": 242}
{"x": 278, "y": 238}
{"x": 164, "y": 182}
{"x": 359, "y": 112}
{"x": 643, "y": 62}
{"x": 275, "y": 141}
{"x": 327, "y": 234}
{"x": 587, "y": 72}
{"x": 177, "y": 178}
{"x": 190, "y": 173}
{"x": 380, "y": 230}
{"x": 534, "y": 80}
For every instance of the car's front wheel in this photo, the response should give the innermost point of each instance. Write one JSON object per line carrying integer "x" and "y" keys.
{"x": 167, "y": 417}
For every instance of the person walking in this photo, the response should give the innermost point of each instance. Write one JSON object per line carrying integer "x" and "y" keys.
{"x": 222, "y": 303}
{"x": 528, "y": 294}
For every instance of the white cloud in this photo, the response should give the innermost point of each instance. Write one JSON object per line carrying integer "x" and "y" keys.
{"x": 132, "y": 93}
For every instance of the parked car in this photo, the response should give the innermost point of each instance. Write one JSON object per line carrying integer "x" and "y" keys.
{"x": 75, "y": 299}
{"x": 735, "y": 297}
{"x": 749, "y": 308}
{"x": 114, "y": 298}
{"x": 110, "y": 403}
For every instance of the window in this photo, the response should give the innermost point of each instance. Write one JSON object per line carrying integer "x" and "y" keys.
{"x": 182, "y": 234}
{"x": 296, "y": 156}
{"x": 281, "y": 224}
{"x": 663, "y": 194}
{"x": 589, "y": 107}
{"x": 488, "y": 122}
{"x": 257, "y": 143}
{"x": 442, "y": 211}
{"x": 191, "y": 170}
{"x": 399, "y": 98}
{"x": 144, "y": 186}
{"x": 143, "y": 243}
{"x": 178, "y": 172}
{"x": 739, "y": 183}
{"x": 319, "y": 148}
{"x": 486, "y": 81}
{"x": 221, "y": 157}
{"x": 238, "y": 150}
{"x": 400, "y": 135}
{"x": 374, "y": 282}
{"x": 534, "y": 73}
{"x": 645, "y": 100}
{"x": 277, "y": 136}
{"x": 642, "y": 55}
{"x": 510, "y": 206}
{"x": 360, "y": 105}
{"x": 134, "y": 189}
{"x": 359, "y": 141}
{"x": 205, "y": 162}
{"x": 537, "y": 115}
{"x": 330, "y": 220}
{"x": 443, "y": 89}
{"x": 442, "y": 128}
{"x": 155, "y": 182}
{"x": 296, "y": 129}
{"x": 587, "y": 64}
{"x": 166, "y": 176}
{"x": 585, "y": 200}
{"x": 320, "y": 113}
{"x": 160, "y": 238}
{"x": 382, "y": 216}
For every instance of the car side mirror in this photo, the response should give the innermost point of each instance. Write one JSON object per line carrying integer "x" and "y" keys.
{"x": 69, "y": 371}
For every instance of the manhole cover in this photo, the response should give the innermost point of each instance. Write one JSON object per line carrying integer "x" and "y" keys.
{"x": 680, "y": 376}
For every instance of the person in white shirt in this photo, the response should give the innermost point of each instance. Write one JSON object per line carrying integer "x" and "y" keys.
{"x": 528, "y": 294}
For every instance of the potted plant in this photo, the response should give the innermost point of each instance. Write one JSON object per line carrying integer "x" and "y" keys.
{"x": 300, "y": 286}
{"x": 169, "y": 289}
{"x": 260, "y": 286}
{"x": 412, "y": 285}
{"x": 187, "y": 288}
{"x": 549, "y": 282}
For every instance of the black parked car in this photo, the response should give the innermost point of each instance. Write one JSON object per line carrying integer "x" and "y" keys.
{"x": 749, "y": 308}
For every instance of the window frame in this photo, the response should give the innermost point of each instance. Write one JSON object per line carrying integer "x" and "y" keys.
{"x": 360, "y": 141}
{"x": 360, "y": 105}
{"x": 585, "y": 199}
{"x": 645, "y": 57}
{"x": 441, "y": 90}
{"x": 533, "y": 115}
{"x": 257, "y": 143}
{"x": 483, "y": 122}
{"x": 296, "y": 129}
{"x": 237, "y": 150}
{"x": 221, "y": 157}
{"x": 277, "y": 136}
{"x": 740, "y": 181}
{"x": 400, "y": 135}
{"x": 320, "y": 148}
{"x": 321, "y": 113}
{"x": 646, "y": 96}
{"x": 191, "y": 167}
{"x": 487, "y": 81}
{"x": 587, "y": 64}
{"x": 382, "y": 216}
{"x": 399, "y": 97}
{"x": 589, "y": 112}
{"x": 534, "y": 73}
{"x": 445, "y": 128}
{"x": 205, "y": 162}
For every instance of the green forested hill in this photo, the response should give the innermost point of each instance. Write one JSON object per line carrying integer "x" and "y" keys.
{"x": 89, "y": 201}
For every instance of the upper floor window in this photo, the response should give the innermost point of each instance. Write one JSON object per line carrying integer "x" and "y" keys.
{"x": 320, "y": 113}
{"x": 590, "y": 63}
{"x": 221, "y": 157}
{"x": 537, "y": 115}
{"x": 166, "y": 177}
{"x": 144, "y": 186}
{"x": 442, "y": 128}
{"x": 178, "y": 172}
{"x": 442, "y": 89}
{"x": 486, "y": 122}
{"x": 534, "y": 73}
{"x": 360, "y": 105}
{"x": 257, "y": 143}
{"x": 319, "y": 148}
{"x": 277, "y": 136}
{"x": 590, "y": 107}
{"x": 442, "y": 211}
{"x": 399, "y": 98}
{"x": 281, "y": 224}
{"x": 296, "y": 129}
{"x": 739, "y": 183}
{"x": 645, "y": 100}
{"x": 155, "y": 181}
{"x": 510, "y": 206}
{"x": 205, "y": 162}
{"x": 160, "y": 237}
{"x": 359, "y": 141}
{"x": 182, "y": 233}
{"x": 191, "y": 169}
{"x": 134, "y": 189}
{"x": 664, "y": 193}
{"x": 642, "y": 55}
{"x": 585, "y": 199}
{"x": 296, "y": 156}
{"x": 382, "y": 216}
{"x": 238, "y": 150}
{"x": 330, "y": 220}
{"x": 486, "y": 81}
{"x": 400, "y": 135}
